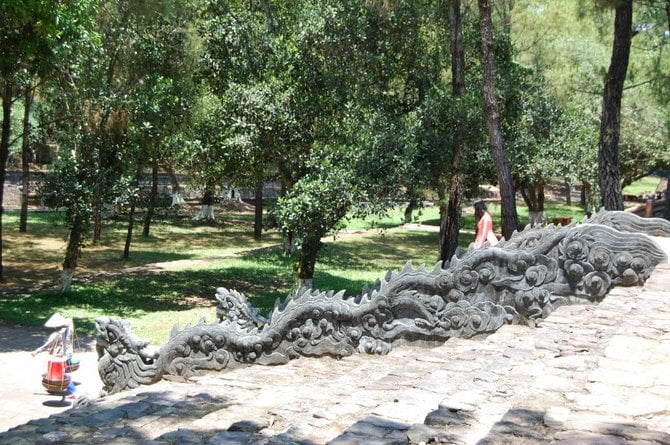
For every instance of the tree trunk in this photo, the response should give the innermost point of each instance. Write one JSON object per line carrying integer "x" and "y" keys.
{"x": 258, "y": 213}
{"x": 307, "y": 261}
{"x": 177, "y": 199}
{"x": 153, "y": 198}
{"x": 450, "y": 215}
{"x": 666, "y": 211}
{"x": 71, "y": 254}
{"x": 504, "y": 10}
{"x": 443, "y": 202}
{"x": 588, "y": 199}
{"x": 25, "y": 159}
{"x": 523, "y": 189}
{"x": 97, "y": 222}
{"x": 207, "y": 211}
{"x": 304, "y": 283}
{"x": 533, "y": 195}
{"x": 131, "y": 216}
{"x": 610, "y": 120}
{"x": 4, "y": 153}
{"x": 450, "y": 220}
{"x": 270, "y": 21}
{"x": 568, "y": 192}
{"x": 509, "y": 218}
{"x": 457, "y": 49}
{"x": 288, "y": 245}
{"x": 409, "y": 210}
{"x": 129, "y": 233}
{"x": 97, "y": 200}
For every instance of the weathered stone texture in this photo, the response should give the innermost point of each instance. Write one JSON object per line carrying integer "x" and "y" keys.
{"x": 520, "y": 281}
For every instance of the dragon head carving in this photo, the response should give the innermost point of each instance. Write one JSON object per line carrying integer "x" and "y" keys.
{"x": 124, "y": 360}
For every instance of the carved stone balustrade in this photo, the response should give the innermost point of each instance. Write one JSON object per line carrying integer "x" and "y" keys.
{"x": 520, "y": 280}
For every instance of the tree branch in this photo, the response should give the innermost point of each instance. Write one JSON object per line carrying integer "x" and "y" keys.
{"x": 646, "y": 82}
{"x": 43, "y": 125}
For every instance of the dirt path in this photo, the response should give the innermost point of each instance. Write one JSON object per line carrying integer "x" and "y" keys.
{"x": 23, "y": 397}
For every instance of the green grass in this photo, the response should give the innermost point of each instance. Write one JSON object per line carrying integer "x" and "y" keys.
{"x": 154, "y": 302}
{"x": 552, "y": 208}
{"x": 36, "y": 255}
{"x": 643, "y": 186}
{"x": 392, "y": 218}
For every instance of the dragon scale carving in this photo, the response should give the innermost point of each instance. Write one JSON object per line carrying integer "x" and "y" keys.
{"x": 521, "y": 280}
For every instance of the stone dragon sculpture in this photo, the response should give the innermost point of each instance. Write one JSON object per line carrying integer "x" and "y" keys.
{"x": 520, "y": 280}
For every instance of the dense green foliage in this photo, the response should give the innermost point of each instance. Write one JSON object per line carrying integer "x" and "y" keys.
{"x": 347, "y": 105}
{"x": 569, "y": 43}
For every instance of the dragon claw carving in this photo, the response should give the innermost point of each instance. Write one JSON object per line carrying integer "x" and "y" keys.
{"x": 521, "y": 280}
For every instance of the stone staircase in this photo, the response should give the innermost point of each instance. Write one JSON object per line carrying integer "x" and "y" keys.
{"x": 586, "y": 374}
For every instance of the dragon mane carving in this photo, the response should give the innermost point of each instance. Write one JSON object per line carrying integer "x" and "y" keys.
{"x": 519, "y": 281}
{"x": 630, "y": 222}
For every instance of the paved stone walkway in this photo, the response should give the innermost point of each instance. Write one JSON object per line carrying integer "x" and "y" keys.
{"x": 22, "y": 396}
{"x": 588, "y": 374}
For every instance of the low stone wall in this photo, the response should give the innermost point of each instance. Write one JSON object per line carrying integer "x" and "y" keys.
{"x": 519, "y": 281}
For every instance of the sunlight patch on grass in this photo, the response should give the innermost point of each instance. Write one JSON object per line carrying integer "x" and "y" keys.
{"x": 182, "y": 296}
{"x": 394, "y": 217}
{"x": 157, "y": 326}
{"x": 43, "y": 247}
{"x": 642, "y": 186}
{"x": 553, "y": 210}
{"x": 153, "y": 301}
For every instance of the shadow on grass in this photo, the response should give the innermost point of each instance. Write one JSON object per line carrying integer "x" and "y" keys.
{"x": 135, "y": 296}
{"x": 384, "y": 252}
{"x": 262, "y": 275}
{"x": 114, "y": 258}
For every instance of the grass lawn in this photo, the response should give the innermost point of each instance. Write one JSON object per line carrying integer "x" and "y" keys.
{"x": 155, "y": 301}
{"x": 37, "y": 255}
{"x": 553, "y": 209}
{"x": 643, "y": 186}
{"x": 184, "y": 293}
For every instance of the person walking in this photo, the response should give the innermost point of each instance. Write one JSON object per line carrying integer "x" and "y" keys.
{"x": 59, "y": 343}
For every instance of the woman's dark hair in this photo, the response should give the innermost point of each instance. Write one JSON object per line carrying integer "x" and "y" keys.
{"x": 480, "y": 208}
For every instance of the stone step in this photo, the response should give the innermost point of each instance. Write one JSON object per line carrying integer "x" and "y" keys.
{"x": 586, "y": 374}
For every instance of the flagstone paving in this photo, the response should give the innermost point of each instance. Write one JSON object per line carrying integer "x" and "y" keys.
{"x": 587, "y": 374}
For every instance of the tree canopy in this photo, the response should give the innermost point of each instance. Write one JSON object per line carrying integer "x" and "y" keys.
{"x": 349, "y": 105}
